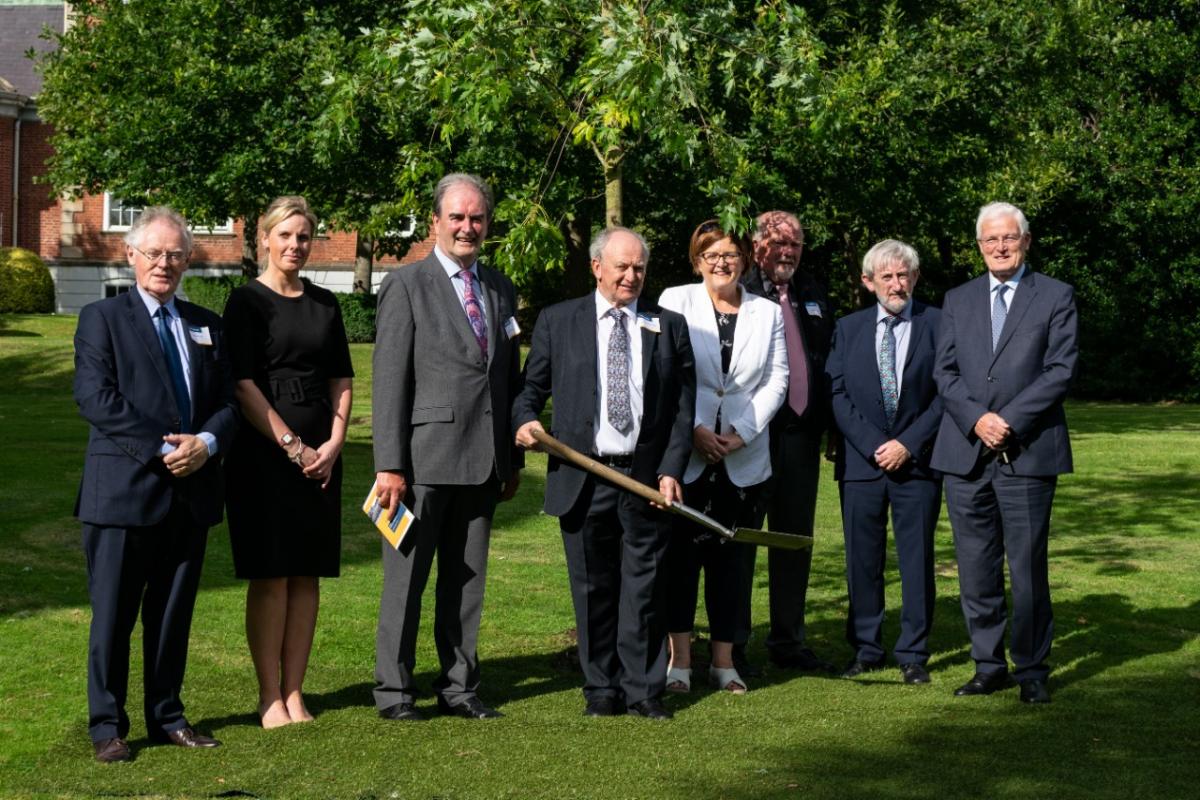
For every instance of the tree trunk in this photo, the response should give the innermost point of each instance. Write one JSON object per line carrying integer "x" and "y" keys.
{"x": 613, "y": 207}
{"x": 578, "y": 274}
{"x": 250, "y": 247}
{"x": 364, "y": 257}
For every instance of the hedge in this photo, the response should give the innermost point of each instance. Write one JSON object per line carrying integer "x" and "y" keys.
{"x": 25, "y": 283}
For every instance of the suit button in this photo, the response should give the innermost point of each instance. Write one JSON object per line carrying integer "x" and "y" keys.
{"x": 720, "y": 392}
{"x": 487, "y": 412}
{"x": 990, "y": 379}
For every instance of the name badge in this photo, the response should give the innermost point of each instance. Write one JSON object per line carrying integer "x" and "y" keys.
{"x": 649, "y": 323}
{"x": 511, "y": 328}
{"x": 200, "y": 336}
{"x": 813, "y": 309}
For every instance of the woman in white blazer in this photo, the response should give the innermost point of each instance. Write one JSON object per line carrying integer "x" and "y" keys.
{"x": 741, "y": 380}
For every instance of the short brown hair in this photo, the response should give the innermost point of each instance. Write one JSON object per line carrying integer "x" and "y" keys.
{"x": 707, "y": 234}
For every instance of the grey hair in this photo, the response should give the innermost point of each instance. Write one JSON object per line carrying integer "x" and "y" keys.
{"x": 152, "y": 214}
{"x": 886, "y": 252}
{"x": 600, "y": 241}
{"x": 457, "y": 178}
{"x": 993, "y": 210}
{"x": 769, "y": 219}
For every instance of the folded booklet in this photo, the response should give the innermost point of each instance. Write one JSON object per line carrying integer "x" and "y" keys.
{"x": 393, "y": 530}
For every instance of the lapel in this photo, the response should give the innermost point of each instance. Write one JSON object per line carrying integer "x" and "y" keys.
{"x": 915, "y": 334}
{"x": 491, "y": 301}
{"x": 649, "y": 339}
{"x": 702, "y": 324}
{"x": 147, "y": 334}
{"x": 863, "y": 350}
{"x": 746, "y": 333}
{"x": 442, "y": 287}
{"x": 195, "y": 355}
{"x": 1022, "y": 299}
{"x": 583, "y": 326}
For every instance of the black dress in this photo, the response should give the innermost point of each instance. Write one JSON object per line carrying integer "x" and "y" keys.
{"x": 282, "y": 523}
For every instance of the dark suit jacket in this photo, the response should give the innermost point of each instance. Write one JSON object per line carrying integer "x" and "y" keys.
{"x": 853, "y": 370}
{"x": 563, "y": 362}
{"x": 1024, "y": 381}
{"x": 441, "y": 413}
{"x": 817, "y": 331}
{"x": 124, "y": 391}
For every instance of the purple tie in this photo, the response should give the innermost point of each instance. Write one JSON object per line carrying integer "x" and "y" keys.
{"x": 797, "y": 357}
{"x": 474, "y": 312}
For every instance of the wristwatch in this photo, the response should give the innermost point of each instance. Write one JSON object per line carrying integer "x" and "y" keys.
{"x": 287, "y": 440}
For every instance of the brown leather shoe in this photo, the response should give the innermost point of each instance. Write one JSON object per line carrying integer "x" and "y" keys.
{"x": 186, "y": 737}
{"x": 109, "y": 751}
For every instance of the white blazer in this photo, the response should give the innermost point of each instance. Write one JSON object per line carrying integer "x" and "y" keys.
{"x": 753, "y": 390}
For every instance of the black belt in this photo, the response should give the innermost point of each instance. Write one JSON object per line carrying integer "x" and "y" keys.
{"x": 623, "y": 461}
{"x": 299, "y": 390}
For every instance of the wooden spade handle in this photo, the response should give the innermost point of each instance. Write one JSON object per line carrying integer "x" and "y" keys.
{"x": 596, "y": 468}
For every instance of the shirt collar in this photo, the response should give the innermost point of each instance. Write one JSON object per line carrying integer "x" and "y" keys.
{"x": 1011, "y": 283}
{"x": 603, "y": 306}
{"x": 905, "y": 315}
{"x": 152, "y": 305}
{"x": 451, "y": 266}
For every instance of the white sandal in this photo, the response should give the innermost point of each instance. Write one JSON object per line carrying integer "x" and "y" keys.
{"x": 727, "y": 680}
{"x": 679, "y": 680}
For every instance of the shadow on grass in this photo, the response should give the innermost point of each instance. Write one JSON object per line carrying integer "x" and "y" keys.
{"x": 1085, "y": 419}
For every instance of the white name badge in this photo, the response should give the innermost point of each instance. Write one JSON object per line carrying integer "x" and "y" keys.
{"x": 649, "y": 323}
{"x": 200, "y": 336}
{"x": 813, "y": 309}
{"x": 511, "y": 328}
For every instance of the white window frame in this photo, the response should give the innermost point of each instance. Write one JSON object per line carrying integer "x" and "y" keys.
{"x": 220, "y": 230}
{"x": 115, "y": 283}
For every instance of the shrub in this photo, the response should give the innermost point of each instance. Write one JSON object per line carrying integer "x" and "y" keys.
{"x": 25, "y": 283}
{"x": 358, "y": 314}
{"x": 212, "y": 293}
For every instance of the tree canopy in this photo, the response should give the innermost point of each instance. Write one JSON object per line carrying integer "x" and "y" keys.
{"x": 869, "y": 120}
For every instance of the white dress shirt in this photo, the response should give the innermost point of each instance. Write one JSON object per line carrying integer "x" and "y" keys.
{"x": 452, "y": 269}
{"x": 1011, "y": 283}
{"x": 609, "y": 440}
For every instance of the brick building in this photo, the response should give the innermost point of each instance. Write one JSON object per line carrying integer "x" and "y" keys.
{"x": 81, "y": 239}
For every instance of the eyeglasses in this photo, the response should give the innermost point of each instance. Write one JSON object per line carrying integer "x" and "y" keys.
{"x": 1009, "y": 240}
{"x": 712, "y": 259}
{"x": 173, "y": 257}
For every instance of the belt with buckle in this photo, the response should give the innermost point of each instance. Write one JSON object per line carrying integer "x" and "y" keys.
{"x": 621, "y": 461}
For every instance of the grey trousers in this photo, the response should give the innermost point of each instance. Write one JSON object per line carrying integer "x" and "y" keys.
{"x": 455, "y": 523}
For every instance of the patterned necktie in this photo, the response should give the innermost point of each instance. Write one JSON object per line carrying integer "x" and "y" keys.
{"x": 474, "y": 312}
{"x": 999, "y": 314}
{"x": 620, "y": 416}
{"x": 796, "y": 355}
{"x": 887, "y": 370}
{"x": 175, "y": 368}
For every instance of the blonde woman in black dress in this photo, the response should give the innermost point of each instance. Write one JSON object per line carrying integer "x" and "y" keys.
{"x": 292, "y": 367}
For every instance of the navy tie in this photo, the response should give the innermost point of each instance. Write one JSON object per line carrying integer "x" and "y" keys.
{"x": 175, "y": 367}
{"x": 999, "y": 314}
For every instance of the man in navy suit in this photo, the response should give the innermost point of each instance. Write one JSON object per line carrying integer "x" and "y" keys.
{"x": 152, "y": 379}
{"x": 623, "y": 379}
{"x": 886, "y": 404}
{"x": 1006, "y": 356}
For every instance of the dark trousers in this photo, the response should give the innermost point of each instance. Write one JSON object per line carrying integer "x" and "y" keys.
{"x": 791, "y": 508}
{"x": 615, "y": 543}
{"x": 156, "y": 569}
{"x": 915, "y": 504}
{"x": 455, "y": 523}
{"x": 693, "y": 548}
{"x": 995, "y": 516}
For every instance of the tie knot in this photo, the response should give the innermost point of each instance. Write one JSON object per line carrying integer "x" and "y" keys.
{"x": 465, "y": 275}
{"x": 163, "y": 314}
{"x": 891, "y": 321}
{"x": 618, "y": 316}
{"x": 1001, "y": 289}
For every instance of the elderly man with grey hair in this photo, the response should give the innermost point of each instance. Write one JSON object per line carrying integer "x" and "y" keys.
{"x": 1005, "y": 359}
{"x": 622, "y": 376}
{"x": 886, "y": 405}
{"x": 446, "y": 370}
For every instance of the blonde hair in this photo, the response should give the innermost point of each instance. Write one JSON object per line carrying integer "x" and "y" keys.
{"x": 283, "y": 207}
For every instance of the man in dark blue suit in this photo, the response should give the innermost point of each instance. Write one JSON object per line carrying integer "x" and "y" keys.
{"x": 152, "y": 379}
{"x": 886, "y": 405}
{"x": 1006, "y": 356}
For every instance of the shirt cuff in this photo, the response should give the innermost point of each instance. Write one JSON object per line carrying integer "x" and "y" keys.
{"x": 210, "y": 441}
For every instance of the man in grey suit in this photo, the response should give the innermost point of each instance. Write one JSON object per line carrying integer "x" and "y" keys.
{"x": 446, "y": 370}
{"x": 1006, "y": 355}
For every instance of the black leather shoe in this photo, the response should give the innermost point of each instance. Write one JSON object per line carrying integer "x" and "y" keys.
{"x": 604, "y": 707}
{"x": 914, "y": 673}
{"x": 743, "y": 665}
{"x": 110, "y": 751}
{"x": 984, "y": 683}
{"x": 471, "y": 708}
{"x": 803, "y": 659}
{"x": 405, "y": 712}
{"x": 1034, "y": 691}
{"x": 856, "y": 668}
{"x": 186, "y": 737}
{"x": 650, "y": 708}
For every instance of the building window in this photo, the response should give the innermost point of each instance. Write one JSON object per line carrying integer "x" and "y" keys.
{"x": 119, "y": 216}
{"x": 116, "y": 288}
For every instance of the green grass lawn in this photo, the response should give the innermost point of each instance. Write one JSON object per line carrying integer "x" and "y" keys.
{"x": 1125, "y": 721}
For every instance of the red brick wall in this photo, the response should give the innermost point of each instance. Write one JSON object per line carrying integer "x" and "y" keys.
{"x": 39, "y": 211}
{"x": 7, "y": 124}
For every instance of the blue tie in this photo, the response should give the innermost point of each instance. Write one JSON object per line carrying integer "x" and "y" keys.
{"x": 175, "y": 367}
{"x": 999, "y": 314}
{"x": 887, "y": 370}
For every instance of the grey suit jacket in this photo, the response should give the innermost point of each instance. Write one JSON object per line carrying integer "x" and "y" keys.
{"x": 441, "y": 413}
{"x": 1024, "y": 381}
